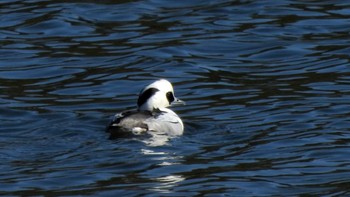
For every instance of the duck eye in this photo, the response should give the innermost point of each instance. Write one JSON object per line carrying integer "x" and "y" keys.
{"x": 170, "y": 97}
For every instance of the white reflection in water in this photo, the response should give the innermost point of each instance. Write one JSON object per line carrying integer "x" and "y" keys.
{"x": 166, "y": 159}
{"x": 157, "y": 139}
{"x": 166, "y": 183}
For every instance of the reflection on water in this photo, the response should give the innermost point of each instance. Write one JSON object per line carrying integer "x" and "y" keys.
{"x": 167, "y": 183}
{"x": 156, "y": 139}
{"x": 266, "y": 86}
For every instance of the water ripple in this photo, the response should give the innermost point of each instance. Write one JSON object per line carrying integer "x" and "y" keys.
{"x": 266, "y": 86}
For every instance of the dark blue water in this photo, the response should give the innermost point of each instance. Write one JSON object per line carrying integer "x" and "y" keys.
{"x": 267, "y": 86}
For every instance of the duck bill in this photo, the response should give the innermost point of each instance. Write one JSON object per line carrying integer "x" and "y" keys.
{"x": 177, "y": 102}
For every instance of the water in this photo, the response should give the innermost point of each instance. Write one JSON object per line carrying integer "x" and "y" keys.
{"x": 266, "y": 83}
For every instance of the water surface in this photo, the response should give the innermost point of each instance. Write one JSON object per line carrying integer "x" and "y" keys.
{"x": 266, "y": 83}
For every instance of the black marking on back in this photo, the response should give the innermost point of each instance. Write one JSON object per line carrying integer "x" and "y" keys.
{"x": 170, "y": 97}
{"x": 157, "y": 112}
{"x": 146, "y": 95}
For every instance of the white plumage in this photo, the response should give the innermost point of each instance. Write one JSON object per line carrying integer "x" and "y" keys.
{"x": 152, "y": 114}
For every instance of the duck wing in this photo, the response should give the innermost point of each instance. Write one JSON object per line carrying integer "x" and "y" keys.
{"x": 128, "y": 123}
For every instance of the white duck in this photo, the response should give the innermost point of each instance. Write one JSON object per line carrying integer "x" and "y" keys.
{"x": 152, "y": 114}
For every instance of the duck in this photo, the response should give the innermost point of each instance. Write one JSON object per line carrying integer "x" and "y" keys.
{"x": 152, "y": 113}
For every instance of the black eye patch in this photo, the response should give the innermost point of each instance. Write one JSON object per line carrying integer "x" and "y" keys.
{"x": 170, "y": 97}
{"x": 146, "y": 95}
